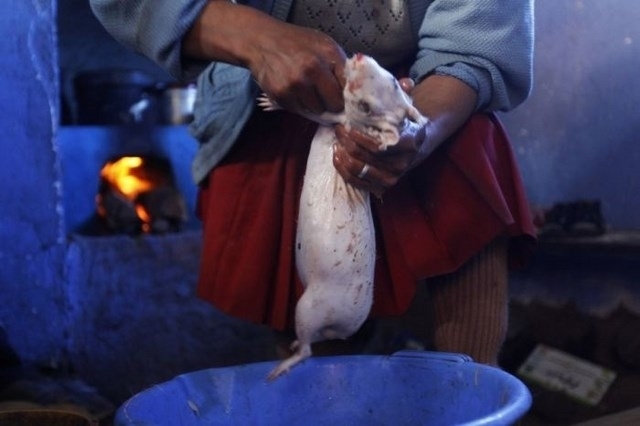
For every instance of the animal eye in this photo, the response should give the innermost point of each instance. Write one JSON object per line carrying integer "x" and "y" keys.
{"x": 364, "y": 107}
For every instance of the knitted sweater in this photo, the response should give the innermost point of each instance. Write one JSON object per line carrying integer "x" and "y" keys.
{"x": 488, "y": 44}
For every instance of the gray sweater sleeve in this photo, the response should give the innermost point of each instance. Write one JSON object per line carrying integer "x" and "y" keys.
{"x": 153, "y": 28}
{"x": 488, "y": 44}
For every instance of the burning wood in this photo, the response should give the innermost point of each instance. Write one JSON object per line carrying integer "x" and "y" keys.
{"x": 118, "y": 211}
{"x": 137, "y": 195}
{"x": 165, "y": 209}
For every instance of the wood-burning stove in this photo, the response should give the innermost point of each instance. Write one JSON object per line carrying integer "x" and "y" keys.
{"x": 165, "y": 153}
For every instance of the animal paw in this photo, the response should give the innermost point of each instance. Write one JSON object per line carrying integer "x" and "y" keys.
{"x": 303, "y": 352}
{"x": 266, "y": 103}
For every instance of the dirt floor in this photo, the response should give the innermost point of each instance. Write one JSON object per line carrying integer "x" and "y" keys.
{"x": 612, "y": 342}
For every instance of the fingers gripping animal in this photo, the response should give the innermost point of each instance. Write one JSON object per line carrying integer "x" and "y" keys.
{"x": 335, "y": 240}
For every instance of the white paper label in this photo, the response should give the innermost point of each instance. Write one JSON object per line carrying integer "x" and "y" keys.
{"x": 557, "y": 370}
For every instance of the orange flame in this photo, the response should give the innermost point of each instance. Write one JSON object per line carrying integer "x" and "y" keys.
{"x": 121, "y": 175}
{"x": 127, "y": 177}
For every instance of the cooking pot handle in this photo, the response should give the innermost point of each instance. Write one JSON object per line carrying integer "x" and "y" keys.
{"x": 430, "y": 355}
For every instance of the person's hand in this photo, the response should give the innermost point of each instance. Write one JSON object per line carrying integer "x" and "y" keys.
{"x": 360, "y": 162}
{"x": 300, "y": 69}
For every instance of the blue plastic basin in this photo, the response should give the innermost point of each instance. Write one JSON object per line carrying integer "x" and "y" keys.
{"x": 407, "y": 388}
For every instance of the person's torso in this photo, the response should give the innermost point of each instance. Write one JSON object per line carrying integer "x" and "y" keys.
{"x": 379, "y": 28}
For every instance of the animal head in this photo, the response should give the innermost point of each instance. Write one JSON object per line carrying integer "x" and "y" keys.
{"x": 374, "y": 101}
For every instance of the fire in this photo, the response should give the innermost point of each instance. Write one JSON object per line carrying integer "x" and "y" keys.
{"x": 139, "y": 194}
{"x": 121, "y": 175}
{"x": 128, "y": 177}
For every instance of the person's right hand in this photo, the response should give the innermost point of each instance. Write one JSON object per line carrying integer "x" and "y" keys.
{"x": 300, "y": 68}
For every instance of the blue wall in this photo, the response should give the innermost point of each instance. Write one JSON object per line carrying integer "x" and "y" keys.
{"x": 577, "y": 136}
{"x": 31, "y": 221}
{"x": 89, "y": 302}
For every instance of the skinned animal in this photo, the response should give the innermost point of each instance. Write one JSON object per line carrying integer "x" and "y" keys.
{"x": 335, "y": 239}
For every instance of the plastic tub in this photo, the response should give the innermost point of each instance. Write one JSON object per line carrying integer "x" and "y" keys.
{"x": 407, "y": 388}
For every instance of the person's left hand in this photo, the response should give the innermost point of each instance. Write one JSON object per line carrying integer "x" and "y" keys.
{"x": 355, "y": 150}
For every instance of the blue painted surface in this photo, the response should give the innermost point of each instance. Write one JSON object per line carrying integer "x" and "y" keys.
{"x": 32, "y": 250}
{"x": 120, "y": 311}
{"x": 577, "y": 136}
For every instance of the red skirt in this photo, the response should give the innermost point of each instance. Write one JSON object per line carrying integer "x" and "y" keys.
{"x": 467, "y": 193}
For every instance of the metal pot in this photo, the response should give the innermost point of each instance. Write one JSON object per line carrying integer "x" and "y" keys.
{"x": 115, "y": 96}
{"x": 124, "y": 96}
{"x": 177, "y": 103}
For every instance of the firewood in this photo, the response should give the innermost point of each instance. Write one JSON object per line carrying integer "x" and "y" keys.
{"x": 119, "y": 212}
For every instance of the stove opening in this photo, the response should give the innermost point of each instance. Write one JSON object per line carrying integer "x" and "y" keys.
{"x": 137, "y": 194}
